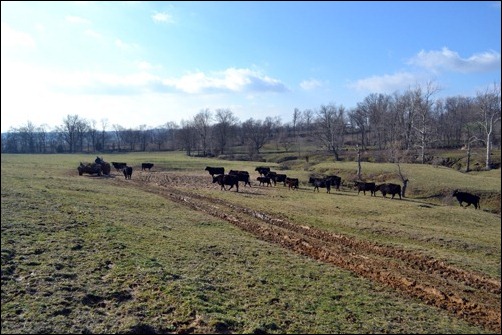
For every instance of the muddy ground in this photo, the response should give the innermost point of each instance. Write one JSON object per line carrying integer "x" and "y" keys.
{"x": 469, "y": 296}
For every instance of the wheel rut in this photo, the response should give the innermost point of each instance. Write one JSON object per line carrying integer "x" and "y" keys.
{"x": 467, "y": 295}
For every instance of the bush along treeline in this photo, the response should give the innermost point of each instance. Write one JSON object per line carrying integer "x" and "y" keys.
{"x": 413, "y": 121}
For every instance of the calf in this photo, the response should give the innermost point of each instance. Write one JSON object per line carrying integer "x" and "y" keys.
{"x": 467, "y": 198}
{"x": 264, "y": 180}
{"x": 241, "y": 176}
{"x": 127, "y": 172}
{"x": 362, "y": 186}
{"x": 215, "y": 170}
{"x": 392, "y": 189}
{"x": 145, "y": 166}
{"x": 226, "y": 179}
{"x": 292, "y": 183}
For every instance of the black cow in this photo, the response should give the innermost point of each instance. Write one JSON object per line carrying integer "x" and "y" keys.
{"x": 292, "y": 183}
{"x": 227, "y": 179}
{"x": 321, "y": 182}
{"x": 145, "y": 166}
{"x": 215, "y": 170}
{"x": 277, "y": 177}
{"x": 264, "y": 180}
{"x": 467, "y": 198}
{"x": 262, "y": 170}
{"x": 127, "y": 172}
{"x": 389, "y": 188}
{"x": 362, "y": 186}
{"x": 335, "y": 181}
{"x": 119, "y": 166}
{"x": 241, "y": 176}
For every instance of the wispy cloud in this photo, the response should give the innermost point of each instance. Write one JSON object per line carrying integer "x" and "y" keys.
{"x": 229, "y": 80}
{"x": 447, "y": 60}
{"x": 14, "y": 38}
{"x": 145, "y": 66}
{"x": 386, "y": 83}
{"x": 162, "y": 17}
{"x": 93, "y": 34}
{"x": 311, "y": 84}
{"x": 125, "y": 46}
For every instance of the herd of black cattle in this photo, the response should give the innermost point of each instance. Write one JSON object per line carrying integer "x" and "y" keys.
{"x": 267, "y": 177}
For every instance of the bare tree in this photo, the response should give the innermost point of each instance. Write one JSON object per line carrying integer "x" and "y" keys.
{"x": 359, "y": 119}
{"x": 187, "y": 136}
{"x": 284, "y": 138}
{"x": 10, "y": 141}
{"x": 201, "y": 122}
{"x": 225, "y": 122}
{"x": 172, "y": 128}
{"x": 468, "y": 147}
{"x": 454, "y": 113}
{"x": 102, "y": 140}
{"x": 404, "y": 180}
{"x": 41, "y": 138}
{"x": 378, "y": 113}
{"x": 130, "y": 137}
{"x": 395, "y": 155}
{"x": 159, "y": 136}
{"x": 144, "y": 135}
{"x": 330, "y": 128}
{"x": 119, "y": 132}
{"x": 70, "y": 130}
{"x": 359, "y": 170}
{"x": 256, "y": 134}
{"x": 92, "y": 135}
{"x": 488, "y": 108}
{"x": 27, "y": 138}
{"x": 405, "y": 116}
{"x": 296, "y": 123}
{"x": 307, "y": 120}
{"x": 422, "y": 104}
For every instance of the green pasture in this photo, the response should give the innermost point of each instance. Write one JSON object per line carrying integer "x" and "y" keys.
{"x": 84, "y": 254}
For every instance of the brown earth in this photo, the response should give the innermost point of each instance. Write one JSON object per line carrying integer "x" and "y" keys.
{"x": 467, "y": 295}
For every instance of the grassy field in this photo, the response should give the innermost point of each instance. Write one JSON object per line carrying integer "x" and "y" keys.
{"x": 87, "y": 254}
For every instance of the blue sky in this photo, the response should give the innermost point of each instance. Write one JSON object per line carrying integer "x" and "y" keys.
{"x": 148, "y": 63}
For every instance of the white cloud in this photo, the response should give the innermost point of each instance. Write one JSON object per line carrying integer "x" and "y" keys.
{"x": 145, "y": 66}
{"x": 232, "y": 79}
{"x": 162, "y": 17}
{"x": 448, "y": 60}
{"x": 93, "y": 34}
{"x": 311, "y": 84}
{"x": 76, "y": 19}
{"x": 386, "y": 83}
{"x": 14, "y": 38}
{"x": 227, "y": 81}
{"x": 125, "y": 46}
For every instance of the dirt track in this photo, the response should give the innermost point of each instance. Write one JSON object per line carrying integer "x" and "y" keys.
{"x": 467, "y": 295}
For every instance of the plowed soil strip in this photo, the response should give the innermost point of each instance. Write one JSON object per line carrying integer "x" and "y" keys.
{"x": 467, "y": 295}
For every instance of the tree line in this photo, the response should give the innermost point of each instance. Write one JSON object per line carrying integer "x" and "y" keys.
{"x": 412, "y": 121}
